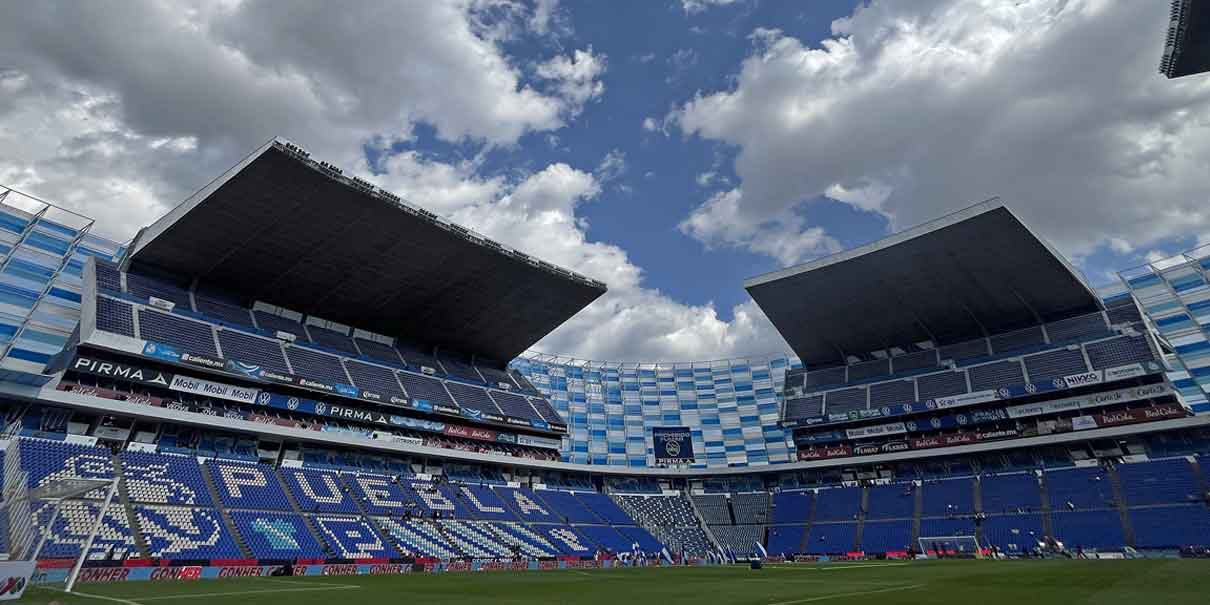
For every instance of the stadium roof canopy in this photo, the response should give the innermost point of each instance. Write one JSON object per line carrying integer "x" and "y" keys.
{"x": 976, "y": 272}
{"x": 1187, "y": 47}
{"x": 287, "y": 230}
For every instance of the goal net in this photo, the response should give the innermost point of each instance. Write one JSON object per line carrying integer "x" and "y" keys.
{"x": 951, "y": 547}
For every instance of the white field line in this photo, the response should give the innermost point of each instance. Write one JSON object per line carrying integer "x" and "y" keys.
{"x": 842, "y": 595}
{"x": 90, "y": 596}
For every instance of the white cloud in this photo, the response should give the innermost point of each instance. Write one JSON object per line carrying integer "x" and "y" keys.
{"x": 914, "y": 109}
{"x": 123, "y": 123}
{"x": 575, "y": 77}
{"x": 612, "y": 166}
{"x": 539, "y": 215}
{"x": 692, "y": 7}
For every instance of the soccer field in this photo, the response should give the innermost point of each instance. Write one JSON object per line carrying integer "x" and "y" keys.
{"x": 1145, "y": 582}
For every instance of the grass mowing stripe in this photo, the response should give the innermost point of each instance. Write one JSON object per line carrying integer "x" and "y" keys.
{"x": 842, "y": 595}
{"x": 235, "y": 593}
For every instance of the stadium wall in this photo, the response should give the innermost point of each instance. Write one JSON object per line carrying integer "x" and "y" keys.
{"x": 731, "y": 407}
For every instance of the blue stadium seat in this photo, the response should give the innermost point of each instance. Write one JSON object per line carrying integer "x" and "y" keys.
{"x": 418, "y": 537}
{"x": 1084, "y": 487}
{"x": 264, "y": 352}
{"x": 1010, "y": 493}
{"x": 115, "y": 316}
{"x": 895, "y": 501}
{"x": 379, "y": 494}
{"x": 186, "y": 335}
{"x": 605, "y": 508}
{"x": 352, "y": 537}
{"x": 314, "y": 364}
{"x": 70, "y": 532}
{"x": 786, "y": 540}
{"x": 318, "y": 491}
{"x": 837, "y": 504}
{"x": 792, "y": 507}
{"x": 831, "y": 538}
{"x": 1171, "y": 526}
{"x": 185, "y": 533}
{"x": 948, "y": 497}
{"x": 886, "y": 536}
{"x": 277, "y": 535}
{"x": 526, "y": 505}
{"x": 374, "y": 378}
{"x": 483, "y": 503}
{"x": 568, "y": 506}
{"x": 331, "y": 339}
{"x": 1012, "y": 534}
{"x": 425, "y": 388}
{"x": 153, "y": 478}
{"x": 1159, "y": 482}
{"x": 1088, "y": 529}
{"x": 248, "y": 486}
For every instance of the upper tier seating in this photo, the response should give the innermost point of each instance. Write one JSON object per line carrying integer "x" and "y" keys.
{"x": 313, "y": 364}
{"x": 251, "y": 349}
{"x": 483, "y": 503}
{"x": 1017, "y": 340}
{"x": 164, "y": 479}
{"x": 472, "y": 398}
{"x": 1047, "y": 366}
{"x": 378, "y": 351}
{"x": 380, "y": 495}
{"x": 374, "y": 378}
{"x": 1119, "y": 352}
{"x": 186, "y": 335}
{"x": 247, "y": 486}
{"x": 459, "y": 367}
{"x": 222, "y": 308}
{"x": 144, "y": 287}
{"x": 114, "y": 316}
{"x": 277, "y": 535}
{"x": 425, "y": 388}
{"x": 272, "y": 324}
{"x": 514, "y": 405}
{"x": 108, "y": 276}
{"x": 334, "y": 340}
{"x": 318, "y": 491}
{"x": 185, "y": 533}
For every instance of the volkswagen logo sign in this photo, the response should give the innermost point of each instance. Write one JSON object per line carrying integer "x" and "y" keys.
{"x": 292, "y": 404}
{"x": 321, "y": 408}
{"x": 1003, "y": 393}
{"x": 1059, "y": 383}
{"x": 263, "y": 398}
{"x": 1031, "y": 388}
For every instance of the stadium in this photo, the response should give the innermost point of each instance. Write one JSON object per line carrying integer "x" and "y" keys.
{"x": 245, "y": 391}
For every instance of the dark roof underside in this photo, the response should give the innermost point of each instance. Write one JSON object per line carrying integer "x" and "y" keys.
{"x": 977, "y": 272}
{"x": 1187, "y": 49}
{"x": 277, "y": 229}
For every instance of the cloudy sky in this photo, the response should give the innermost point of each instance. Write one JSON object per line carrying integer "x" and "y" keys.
{"x": 670, "y": 148}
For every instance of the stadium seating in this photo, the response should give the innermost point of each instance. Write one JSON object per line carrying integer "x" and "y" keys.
{"x": 1010, "y": 493}
{"x": 185, "y": 533}
{"x": 605, "y": 508}
{"x": 333, "y": 340}
{"x": 831, "y": 538}
{"x": 70, "y": 532}
{"x": 785, "y": 540}
{"x": 660, "y": 511}
{"x": 741, "y": 539}
{"x": 352, "y": 537}
{"x": 1084, "y": 487}
{"x": 691, "y": 541}
{"x": 242, "y": 485}
{"x": 379, "y": 352}
{"x": 567, "y": 540}
{"x": 418, "y": 537}
{"x": 838, "y": 504}
{"x": 947, "y": 497}
{"x": 380, "y": 495}
{"x": 254, "y": 350}
{"x": 1012, "y": 534}
{"x": 894, "y": 501}
{"x": 186, "y": 335}
{"x": 483, "y": 503}
{"x": 567, "y": 506}
{"x": 318, "y": 491}
{"x": 426, "y": 389}
{"x": 1159, "y": 482}
{"x": 529, "y": 542}
{"x": 1171, "y": 526}
{"x": 750, "y": 508}
{"x": 647, "y": 543}
{"x": 514, "y": 405}
{"x": 314, "y": 364}
{"x": 886, "y": 536}
{"x": 713, "y": 508}
{"x": 1088, "y": 529}
{"x": 526, "y": 505}
{"x": 791, "y": 507}
{"x": 47, "y": 462}
{"x": 277, "y": 535}
{"x": 153, "y": 478}
{"x": 115, "y": 316}
{"x": 472, "y": 398}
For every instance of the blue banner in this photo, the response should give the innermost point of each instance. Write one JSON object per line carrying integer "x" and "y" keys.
{"x": 672, "y": 445}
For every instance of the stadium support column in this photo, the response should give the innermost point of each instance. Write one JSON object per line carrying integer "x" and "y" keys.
{"x": 92, "y": 535}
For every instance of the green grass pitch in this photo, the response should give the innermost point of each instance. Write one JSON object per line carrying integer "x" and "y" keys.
{"x": 1138, "y": 582}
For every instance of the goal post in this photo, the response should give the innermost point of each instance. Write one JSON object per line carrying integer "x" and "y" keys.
{"x": 951, "y": 547}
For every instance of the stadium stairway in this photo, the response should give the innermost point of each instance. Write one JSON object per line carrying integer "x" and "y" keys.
{"x": 1198, "y": 477}
{"x": 701, "y": 521}
{"x": 862, "y": 513}
{"x": 1119, "y": 500}
{"x": 228, "y": 523}
{"x": 802, "y": 546}
{"x": 917, "y": 507}
{"x": 307, "y": 520}
{"x": 136, "y": 526}
{"x": 1048, "y": 526}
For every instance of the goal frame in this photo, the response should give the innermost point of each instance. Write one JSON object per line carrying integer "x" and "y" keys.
{"x": 926, "y": 546}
